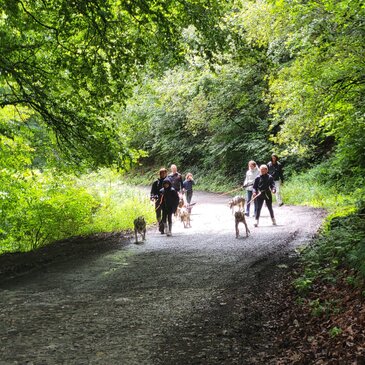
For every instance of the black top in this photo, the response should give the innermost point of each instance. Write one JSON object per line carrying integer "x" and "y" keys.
{"x": 263, "y": 183}
{"x": 176, "y": 181}
{"x": 276, "y": 170}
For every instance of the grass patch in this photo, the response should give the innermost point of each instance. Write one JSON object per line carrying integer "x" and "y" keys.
{"x": 40, "y": 208}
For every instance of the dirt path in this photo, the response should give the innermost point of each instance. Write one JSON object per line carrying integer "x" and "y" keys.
{"x": 199, "y": 297}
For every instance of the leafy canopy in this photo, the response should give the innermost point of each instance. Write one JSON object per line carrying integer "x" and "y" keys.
{"x": 70, "y": 61}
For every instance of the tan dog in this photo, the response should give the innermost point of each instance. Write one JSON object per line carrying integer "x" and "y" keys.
{"x": 181, "y": 204}
{"x": 239, "y": 216}
{"x": 238, "y": 201}
{"x": 185, "y": 217}
{"x": 140, "y": 227}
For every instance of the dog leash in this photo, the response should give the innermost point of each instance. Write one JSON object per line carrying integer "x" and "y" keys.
{"x": 257, "y": 195}
{"x": 160, "y": 202}
{"x": 229, "y": 192}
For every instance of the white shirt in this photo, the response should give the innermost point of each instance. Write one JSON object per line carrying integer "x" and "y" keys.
{"x": 251, "y": 175}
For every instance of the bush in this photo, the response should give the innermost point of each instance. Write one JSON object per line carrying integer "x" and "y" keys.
{"x": 37, "y": 208}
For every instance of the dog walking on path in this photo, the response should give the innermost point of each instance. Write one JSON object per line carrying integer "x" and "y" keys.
{"x": 237, "y": 201}
{"x": 239, "y": 217}
{"x": 140, "y": 228}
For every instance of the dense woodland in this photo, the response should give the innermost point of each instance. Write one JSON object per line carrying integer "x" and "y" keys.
{"x": 207, "y": 85}
{"x": 90, "y": 89}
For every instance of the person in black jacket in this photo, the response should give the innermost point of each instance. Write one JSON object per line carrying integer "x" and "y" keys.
{"x": 263, "y": 186}
{"x": 156, "y": 197}
{"x": 276, "y": 171}
{"x": 176, "y": 179}
{"x": 169, "y": 203}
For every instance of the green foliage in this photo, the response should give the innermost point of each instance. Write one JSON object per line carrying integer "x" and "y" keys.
{"x": 325, "y": 308}
{"x": 198, "y": 118}
{"x": 316, "y": 79}
{"x": 70, "y": 62}
{"x": 340, "y": 245}
{"x": 118, "y": 203}
{"x": 335, "y": 331}
{"x": 324, "y": 186}
{"x": 37, "y": 208}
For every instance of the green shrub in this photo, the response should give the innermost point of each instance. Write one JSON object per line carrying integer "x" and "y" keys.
{"x": 37, "y": 208}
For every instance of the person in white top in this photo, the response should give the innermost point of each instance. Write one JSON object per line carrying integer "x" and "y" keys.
{"x": 251, "y": 174}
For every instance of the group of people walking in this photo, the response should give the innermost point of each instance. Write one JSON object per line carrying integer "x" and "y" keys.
{"x": 260, "y": 183}
{"x": 166, "y": 192}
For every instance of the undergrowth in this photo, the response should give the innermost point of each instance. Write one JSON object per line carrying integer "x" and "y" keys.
{"x": 41, "y": 208}
{"x": 340, "y": 245}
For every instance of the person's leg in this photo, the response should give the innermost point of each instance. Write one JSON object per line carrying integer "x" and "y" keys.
{"x": 189, "y": 195}
{"x": 169, "y": 217}
{"x": 260, "y": 202}
{"x": 278, "y": 192}
{"x": 158, "y": 215}
{"x": 248, "y": 204}
{"x": 164, "y": 219}
{"x": 268, "y": 199}
{"x": 158, "y": 211}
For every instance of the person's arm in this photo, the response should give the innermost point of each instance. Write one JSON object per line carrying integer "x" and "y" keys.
{"x": 154, "y": 191}
{"x": 281, "y": 174}
{"x": 272, "y": 184}
{"x": 177, "y": 199}
{"x": 255, "y": 187}
{"x": 245, "y": 182}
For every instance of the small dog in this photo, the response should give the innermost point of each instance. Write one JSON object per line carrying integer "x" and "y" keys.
{"x": 239, "y": 216}
{"x": 185, "y": 217}
{"x": 140, "y": 227}
{"x": 181, "y": 204}
{"x": 237, "y": 201}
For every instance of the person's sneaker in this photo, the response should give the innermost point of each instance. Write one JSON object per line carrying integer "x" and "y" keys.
{"x": 256, "y": 223}
{"x": 281, "y": 204}
{"x": 247, "y": 214}
{"x": 273, "y": 222}
{"x": 168, "y": 233}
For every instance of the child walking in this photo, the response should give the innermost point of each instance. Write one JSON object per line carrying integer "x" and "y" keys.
{"x": 188, "y": 186}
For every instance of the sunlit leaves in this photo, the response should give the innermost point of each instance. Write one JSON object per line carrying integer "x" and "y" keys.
{"x": 70, "y": 61}
{"x": 317, "y": 83}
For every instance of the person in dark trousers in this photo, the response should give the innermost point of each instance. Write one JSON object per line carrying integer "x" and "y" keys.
{"x": 169, "y": 203}
{"x": 276, "y": 171}
{"x": 156, "y": 197}
{"x": 188, "y": 186}
{"x": 176, "y": 179}
{"x": 263, "y": 186}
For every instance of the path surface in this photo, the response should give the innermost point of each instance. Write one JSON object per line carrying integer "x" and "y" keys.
{"x": 187, "y": 299}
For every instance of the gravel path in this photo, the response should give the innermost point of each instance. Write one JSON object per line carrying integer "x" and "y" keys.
{"x": 197, "y": 297}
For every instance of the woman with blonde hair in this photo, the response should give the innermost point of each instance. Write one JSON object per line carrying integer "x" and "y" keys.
{"x": 251, "y": 174}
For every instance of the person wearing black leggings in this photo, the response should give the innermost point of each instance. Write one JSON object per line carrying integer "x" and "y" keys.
{"x": 263, "y": 187}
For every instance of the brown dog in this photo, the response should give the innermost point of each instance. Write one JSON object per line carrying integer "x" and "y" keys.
{"x": 185, "y": 217}
{"x": 140, "y": 227}
{"x": 238, "y": 201}
{"x": 239, "y": 216}
{"x": 179, "y": 207}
